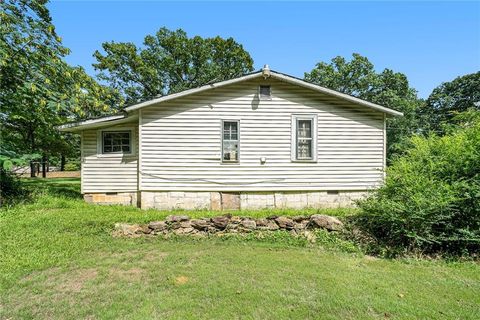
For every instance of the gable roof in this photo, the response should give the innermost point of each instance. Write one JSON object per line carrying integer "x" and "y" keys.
{"x": 265, "y": 72}
{"x": 271, "y": 74}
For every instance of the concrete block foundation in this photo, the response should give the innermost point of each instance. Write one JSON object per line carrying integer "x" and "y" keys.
{"x": 218, "y": 201}
{"x": 170, "y": 200}
{"x": 121, "y": 198}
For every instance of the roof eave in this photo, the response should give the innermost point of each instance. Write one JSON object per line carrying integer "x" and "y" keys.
{"x": 192, "y": 91}
{"x": 82, "y": 125}
{"x": 336, "y": 94}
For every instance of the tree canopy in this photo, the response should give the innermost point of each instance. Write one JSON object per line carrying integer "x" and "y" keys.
{"x": 39, "y": 89}
{"x": 358, "y": 78}
{"x": 450, "y": 99}
{"x": 169, "y": 62}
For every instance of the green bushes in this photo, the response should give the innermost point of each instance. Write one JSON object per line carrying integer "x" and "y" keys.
{"x": 431, "y": 198}
{"x": 11, "y": 190}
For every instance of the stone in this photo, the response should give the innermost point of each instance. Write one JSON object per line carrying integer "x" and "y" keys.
{"x": 200, "y": 224}
{"x": 176, "y": 218}
{"x": 298, "y": 226}
{"x": 185, "y": 224}
{"x": 235, "y": 219}
{"x": 284, "y": 223}
{"x": 175, "y": 225}
{"x": 220, "y": 222}
{"x": 232, "y": 226}
{"x": 181, "y": 231}
{"x": 272, "y": 217}
{"x": 145, "y": 229}
{"x": 200, "y": 234}
{"x": 299, "y": 219}
{"x": 127, "y": 229}
{"x": 211, "y": 229}
{"x": 157, "y": 225}
{"x": 325, "y": 222}
{"x": 248, "y": 224}
{"x": 181, "y": 225}
{"x": 262, "y": 222}
{"x": 272, "y": 225}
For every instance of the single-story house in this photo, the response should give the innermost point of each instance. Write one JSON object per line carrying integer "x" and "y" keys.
{"x": 262, "y": 140}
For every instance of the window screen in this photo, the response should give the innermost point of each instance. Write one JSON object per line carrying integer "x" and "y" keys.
{"x": 117, "y": 142}
{"x": 230, "y": 141}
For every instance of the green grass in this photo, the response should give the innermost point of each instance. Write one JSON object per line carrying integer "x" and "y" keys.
{"x": 58, "y": 260}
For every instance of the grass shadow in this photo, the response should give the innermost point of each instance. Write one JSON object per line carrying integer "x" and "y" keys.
{"x": 62, "y": 187}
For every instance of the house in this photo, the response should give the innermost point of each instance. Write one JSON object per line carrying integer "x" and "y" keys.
{"x": 263, "y": 140}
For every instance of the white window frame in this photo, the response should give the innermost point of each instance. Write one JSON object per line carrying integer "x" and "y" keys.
{"x": 295, "y": 118}
{"x": 100, "y": 133}
{"x": 222, "y": 140}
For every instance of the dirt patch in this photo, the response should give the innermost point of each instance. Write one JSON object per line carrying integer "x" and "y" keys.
{"x": 132, "y": 274}
{"x": 61, "y": 281}
{"x": 133, "y": 256}
{"x": 181, "y": 280}
{"x": 76, "y": 280}
{"x": 41, "y": 273}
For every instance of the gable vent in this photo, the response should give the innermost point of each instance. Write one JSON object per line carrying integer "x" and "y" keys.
{"x": 265, "y": 93}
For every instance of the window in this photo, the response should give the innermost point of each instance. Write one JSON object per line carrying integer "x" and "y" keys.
{"x": 116, "y": 142}
{"x": 230, "y": 141}
{"x": 304, "y": 138}
{"x": 265, "y": 93}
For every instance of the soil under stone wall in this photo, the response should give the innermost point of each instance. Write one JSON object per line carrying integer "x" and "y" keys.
{"x": 183, "y": 225}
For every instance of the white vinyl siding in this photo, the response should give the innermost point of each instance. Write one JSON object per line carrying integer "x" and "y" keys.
{"x": 181, "y": 138}
{"x": 108, "y": 172}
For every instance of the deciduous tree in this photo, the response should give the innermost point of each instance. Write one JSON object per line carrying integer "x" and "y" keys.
{"x": 38, "y": 89}
{"x": 358, "y": 78}
{"x": 169, "y": 62}
{"x": 449, "y": 99}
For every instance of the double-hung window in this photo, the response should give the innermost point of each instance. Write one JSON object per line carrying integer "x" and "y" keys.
{"x": 304, "y": 139}
{"x": 230, "y": 140}
{"x": 117, "y": 142}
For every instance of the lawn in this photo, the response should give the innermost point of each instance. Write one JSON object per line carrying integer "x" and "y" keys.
{"x": 59, "y": 261}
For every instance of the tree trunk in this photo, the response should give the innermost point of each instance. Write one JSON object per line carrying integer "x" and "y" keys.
{"x": 32, "y": 169}
{"x": 62, "y": 163}
{"x": 44, "y": 166}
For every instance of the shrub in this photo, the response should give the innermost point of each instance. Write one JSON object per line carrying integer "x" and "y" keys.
{"x": 11, "y": 189}
{"x": 72, "y": 166}
{"x": 430, "y": 201}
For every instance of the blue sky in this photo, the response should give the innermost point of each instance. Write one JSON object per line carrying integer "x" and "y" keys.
{"x": 431, "y": 42}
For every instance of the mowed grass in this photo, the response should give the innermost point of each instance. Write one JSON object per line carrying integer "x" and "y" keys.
{"x": 58, "y": 260}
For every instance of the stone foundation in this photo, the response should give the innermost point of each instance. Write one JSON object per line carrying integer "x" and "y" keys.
{"x": 170, "y": 200}
{"x": 121, "y": 198}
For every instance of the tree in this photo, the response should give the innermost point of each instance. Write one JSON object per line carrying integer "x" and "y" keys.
{"x": 39, "y": 90}
{"x": 450, "y": 99}
{"x": 388, "y": 88}
{"x": 169, "y": 62}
